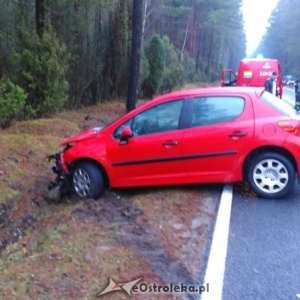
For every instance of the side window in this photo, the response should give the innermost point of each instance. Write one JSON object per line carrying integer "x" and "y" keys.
{"x": 161, "y": 118}
{"x": 214, "y": 110}
{"x": 229, "y": 78}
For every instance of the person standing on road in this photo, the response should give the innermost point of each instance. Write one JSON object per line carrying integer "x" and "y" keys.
{"x": 271, "y": 84}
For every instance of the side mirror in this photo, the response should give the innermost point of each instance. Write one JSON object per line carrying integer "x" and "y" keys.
{"x": 125, "y": 135}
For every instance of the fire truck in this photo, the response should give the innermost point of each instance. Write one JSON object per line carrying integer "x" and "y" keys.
{"x": 253, "y": 72}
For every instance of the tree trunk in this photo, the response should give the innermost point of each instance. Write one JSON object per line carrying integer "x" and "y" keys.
{"x": 40, "y": 17}
{"x": 210, "y": 53}
{"x": 137, "y": 26}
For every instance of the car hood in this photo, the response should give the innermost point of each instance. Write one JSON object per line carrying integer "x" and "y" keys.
{"x": 82, "y": 136}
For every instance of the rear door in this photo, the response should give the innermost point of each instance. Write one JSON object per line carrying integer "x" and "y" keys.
{"x": 220, "y": 133}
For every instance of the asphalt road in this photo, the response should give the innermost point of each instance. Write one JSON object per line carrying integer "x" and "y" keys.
{"x": 289, "y": 95}
{"x": 263, "y": 255}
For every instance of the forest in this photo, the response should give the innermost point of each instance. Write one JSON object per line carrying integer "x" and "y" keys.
{"x": 282, "y": 38}
{"x": 67, "y": 54}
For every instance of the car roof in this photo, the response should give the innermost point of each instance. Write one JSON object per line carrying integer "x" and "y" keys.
{"x": 209, "y": 91}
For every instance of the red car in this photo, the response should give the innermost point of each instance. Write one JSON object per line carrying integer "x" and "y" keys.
{"x": 204, "y": 135}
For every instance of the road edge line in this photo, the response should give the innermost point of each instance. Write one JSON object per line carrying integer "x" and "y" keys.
{"x": 215, "y": 269}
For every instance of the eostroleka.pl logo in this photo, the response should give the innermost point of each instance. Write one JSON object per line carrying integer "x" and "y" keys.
{"x": 127, "y": 286}
{"x": 131, "y": 286}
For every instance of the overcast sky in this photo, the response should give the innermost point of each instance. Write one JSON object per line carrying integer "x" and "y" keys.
{"x": 256, "y": 15}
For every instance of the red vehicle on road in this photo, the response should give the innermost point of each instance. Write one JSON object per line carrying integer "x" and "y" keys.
{"x": 253, "y": 72}
{"x": 205, "y": 135}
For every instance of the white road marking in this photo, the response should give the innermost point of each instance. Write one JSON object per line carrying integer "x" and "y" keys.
{"x": 214, "y": 275}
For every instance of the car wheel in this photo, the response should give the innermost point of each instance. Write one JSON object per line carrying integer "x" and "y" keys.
{"x": 270, "y": 175}
{"x": 87, "y": 180}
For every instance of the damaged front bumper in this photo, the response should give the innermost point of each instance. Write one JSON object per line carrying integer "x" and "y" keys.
{"x": 60, "y": 185}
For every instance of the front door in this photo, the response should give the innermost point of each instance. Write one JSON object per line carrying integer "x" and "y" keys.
{"x": 153, "y": 155}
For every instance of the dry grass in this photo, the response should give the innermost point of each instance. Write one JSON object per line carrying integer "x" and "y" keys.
{"x": 68, "y": 250}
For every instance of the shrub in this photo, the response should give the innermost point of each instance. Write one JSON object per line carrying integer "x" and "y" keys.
{"x": 41, "y": 65}
{"x": 144, "y": 71}
{"x": 12, "y": 101}
{"x": 173, "y": 69}
{"x": 154, "y": 51}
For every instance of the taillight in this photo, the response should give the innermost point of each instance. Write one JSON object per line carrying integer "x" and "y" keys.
{"x": 291, "y": 126}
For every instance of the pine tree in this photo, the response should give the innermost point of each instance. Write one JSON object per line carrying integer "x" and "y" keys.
{"x": 137, "y": 23}
{"x": 120, "y": 49}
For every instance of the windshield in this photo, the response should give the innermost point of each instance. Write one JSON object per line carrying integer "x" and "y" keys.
{"x": 280, "y": 105}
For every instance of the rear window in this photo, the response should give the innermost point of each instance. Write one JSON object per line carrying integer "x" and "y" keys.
{"x": 214, "y": 110}
{"x": 280, "y": 105}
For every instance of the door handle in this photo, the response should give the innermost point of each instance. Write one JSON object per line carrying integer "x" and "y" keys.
{"x": 170, "y": 143}
{"x": 238, "y": 134}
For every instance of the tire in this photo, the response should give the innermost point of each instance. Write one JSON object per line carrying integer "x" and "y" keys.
{"x": 270, "y": 175}
{"x": 87, "y": 180}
